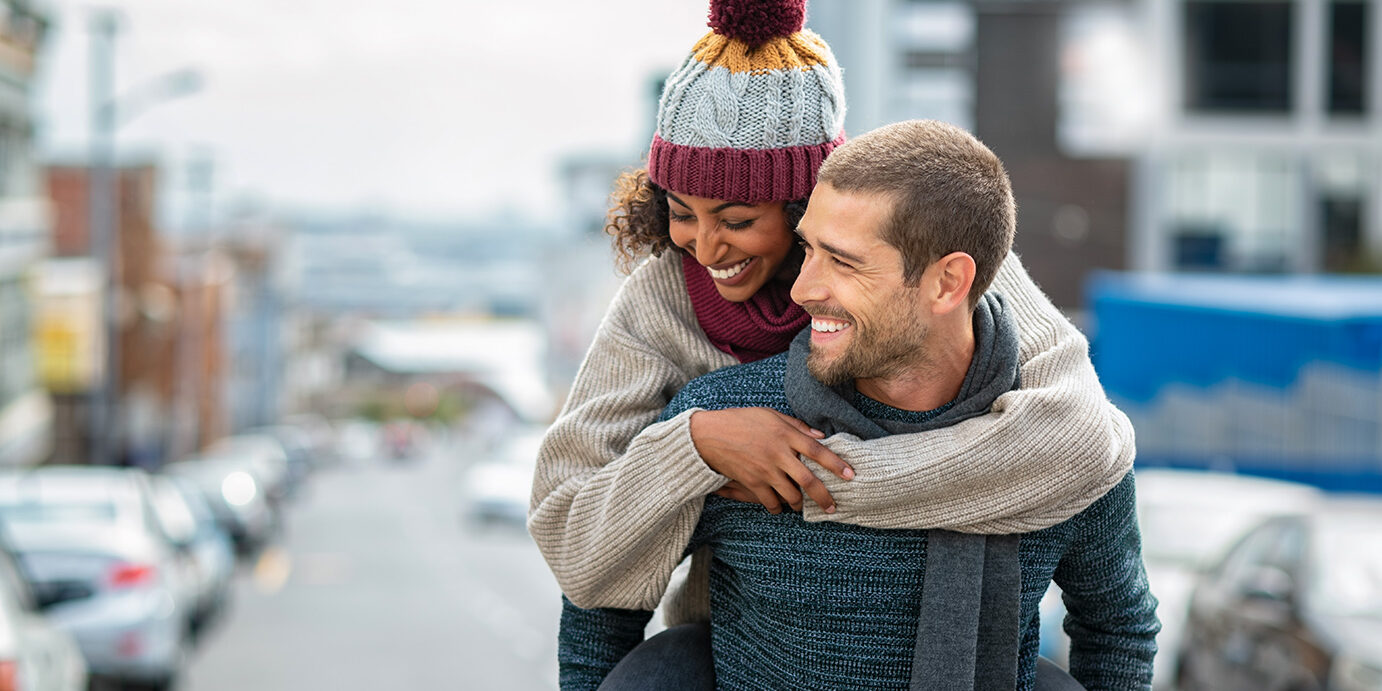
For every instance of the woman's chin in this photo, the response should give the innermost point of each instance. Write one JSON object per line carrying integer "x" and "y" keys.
{"x": 735, "y": 293}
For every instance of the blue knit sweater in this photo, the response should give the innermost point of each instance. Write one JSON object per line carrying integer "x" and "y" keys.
{"x": 798, "y": 605}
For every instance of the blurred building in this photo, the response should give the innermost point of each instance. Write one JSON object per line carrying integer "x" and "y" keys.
{"x": 26, "y": 415}
{"x": 169, "y": 323}
{"x": 257, "y": 340}
{"x": 1217, "y": 135}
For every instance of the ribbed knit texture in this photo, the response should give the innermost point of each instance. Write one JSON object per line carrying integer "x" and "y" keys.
{"x": 750, "y": 330}
{"x": 799, "y": 605}
{"x": 753, "y": 110}
{"x": 616, "y": 497}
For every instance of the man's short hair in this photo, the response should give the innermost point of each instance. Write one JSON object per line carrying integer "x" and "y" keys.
{"x": 949, "y": 191}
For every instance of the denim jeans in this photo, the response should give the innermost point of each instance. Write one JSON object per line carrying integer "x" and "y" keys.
{"x": 678, "y": 658}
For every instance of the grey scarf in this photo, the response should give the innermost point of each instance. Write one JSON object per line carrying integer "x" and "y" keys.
{"x": 967, "y": 637}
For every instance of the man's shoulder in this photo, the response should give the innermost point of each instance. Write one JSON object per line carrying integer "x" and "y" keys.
{"x": 739, "y": 386}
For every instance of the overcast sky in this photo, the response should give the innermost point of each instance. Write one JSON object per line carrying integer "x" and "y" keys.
{"x": 422, "y": 107}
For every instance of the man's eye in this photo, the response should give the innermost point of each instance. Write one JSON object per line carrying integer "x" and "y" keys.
{"x": 841, "y": 263}
{"x": 805, "y": 246}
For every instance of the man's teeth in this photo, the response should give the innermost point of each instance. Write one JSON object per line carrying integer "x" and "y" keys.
{"x": 731, "y": 272}
{"x": 827, "y": 327}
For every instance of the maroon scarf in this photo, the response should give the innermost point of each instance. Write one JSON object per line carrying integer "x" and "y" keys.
{"x": 760, "y": 327}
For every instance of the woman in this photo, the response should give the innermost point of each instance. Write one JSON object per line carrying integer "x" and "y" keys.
{"x": 742, "y": 127}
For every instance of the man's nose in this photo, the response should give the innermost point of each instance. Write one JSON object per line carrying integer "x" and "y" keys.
{"x": 808, "y": 286}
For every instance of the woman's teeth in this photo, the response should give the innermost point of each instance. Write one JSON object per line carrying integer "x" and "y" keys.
{"x": 827, "y": 326}
{"x": 731, "y": 272}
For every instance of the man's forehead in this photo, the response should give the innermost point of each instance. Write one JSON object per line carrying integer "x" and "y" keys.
{"x": 850, "y": 219}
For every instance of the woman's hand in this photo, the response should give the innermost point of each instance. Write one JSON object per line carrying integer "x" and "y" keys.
{"x": 759, "y": 450}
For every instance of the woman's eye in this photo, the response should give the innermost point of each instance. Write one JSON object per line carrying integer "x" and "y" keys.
{"x": 738, "y": 225}
{"x": 680, "y": 218}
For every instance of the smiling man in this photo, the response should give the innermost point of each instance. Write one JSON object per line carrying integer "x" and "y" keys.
{"x": 903, "y": 234}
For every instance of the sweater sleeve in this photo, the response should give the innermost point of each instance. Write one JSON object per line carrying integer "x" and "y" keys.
{"x": 612, "y": 513}
{"x": 1111, "y": 611}
{"x": 1046, "y": 451}
{"x": 593, "y": 641}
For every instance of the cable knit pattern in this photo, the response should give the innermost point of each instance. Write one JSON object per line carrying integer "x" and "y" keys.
{"x": 832, "y": 606}
{"x": 746, "y": 122}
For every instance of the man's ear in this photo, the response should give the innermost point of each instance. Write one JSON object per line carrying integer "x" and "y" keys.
{"x": 954, "y": 276}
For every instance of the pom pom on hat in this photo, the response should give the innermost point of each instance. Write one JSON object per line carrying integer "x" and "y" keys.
{"x": 756, "y": 22}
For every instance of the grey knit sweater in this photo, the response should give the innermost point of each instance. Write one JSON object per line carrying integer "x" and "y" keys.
{"x": 616, "y": 497}
{"x": 831, "y": 606}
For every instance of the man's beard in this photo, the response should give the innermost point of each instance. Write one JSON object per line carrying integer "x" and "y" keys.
{"x": 885, "y": 350}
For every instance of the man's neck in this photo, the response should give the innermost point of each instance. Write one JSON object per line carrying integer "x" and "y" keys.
{"x": 930, "y": 382}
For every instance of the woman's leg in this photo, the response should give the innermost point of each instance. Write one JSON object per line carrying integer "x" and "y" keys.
{"x": 678, "y": 658}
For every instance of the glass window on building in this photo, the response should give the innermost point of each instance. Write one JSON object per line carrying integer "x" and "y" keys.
{"x": 1348, "y": 53}
{"x": 16, "y": 367}
{"x": 1237, "y": 56}
{"x": 1342, "y": 182}
{"x": 1233, "y": 211}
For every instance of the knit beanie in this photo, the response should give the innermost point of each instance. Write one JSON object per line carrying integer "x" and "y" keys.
{"x": 753, "y": 111}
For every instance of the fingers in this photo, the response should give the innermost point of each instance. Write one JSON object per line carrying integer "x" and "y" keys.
{"x": 768, "y": 498}
{"x": 814, "y": 488}
{"x": 826, "y": 458}
{"x": 788, "y": 491}
{"x": 801, "y": 426}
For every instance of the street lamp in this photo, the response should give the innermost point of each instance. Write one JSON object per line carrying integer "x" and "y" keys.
{"x": 108, "y": 113}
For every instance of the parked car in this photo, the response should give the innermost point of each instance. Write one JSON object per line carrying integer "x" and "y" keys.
{"x": 1295, "y": 605}
{"x": 35, "y": 655}
{"x": 102, "y": 566}
{"x": 1188, "y": 518}
{"x": 320, "y": 435}
{"x": 265, "y": 458}
{"x": 499, "y": 486}
{"x": 297, "y": 447}
{"x": 234, "y": 495}
{"x": 211, "y": 549}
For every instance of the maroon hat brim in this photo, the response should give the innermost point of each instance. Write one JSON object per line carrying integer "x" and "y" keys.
{"x": 752, "y": 176}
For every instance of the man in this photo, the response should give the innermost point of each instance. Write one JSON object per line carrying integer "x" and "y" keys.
{"x": 903, "y": 234}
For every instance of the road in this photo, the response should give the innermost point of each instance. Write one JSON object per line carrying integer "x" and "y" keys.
{"x": 379, "y": 582}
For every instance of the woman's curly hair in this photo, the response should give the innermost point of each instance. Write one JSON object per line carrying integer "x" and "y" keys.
{"x": 638, "y": 221}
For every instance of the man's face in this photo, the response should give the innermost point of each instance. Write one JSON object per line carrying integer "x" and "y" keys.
{"x": 865, "y": 322}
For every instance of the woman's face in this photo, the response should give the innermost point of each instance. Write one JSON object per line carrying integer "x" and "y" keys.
{"x": 742, "y": 246}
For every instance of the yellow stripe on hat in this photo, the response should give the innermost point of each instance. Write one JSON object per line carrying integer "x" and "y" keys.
{"x": 802, "y": 50}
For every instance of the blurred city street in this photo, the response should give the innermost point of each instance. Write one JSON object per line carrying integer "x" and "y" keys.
{"x": 380, "y": 582}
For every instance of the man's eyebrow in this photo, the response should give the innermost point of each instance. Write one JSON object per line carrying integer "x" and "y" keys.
{"x": 715, "y": 210}
{"x": 841, "y": 253}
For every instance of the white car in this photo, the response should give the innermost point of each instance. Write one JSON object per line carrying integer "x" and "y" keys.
{"x": 1188, "y": 519}
{"x": 35, "y": 655}
{"x": 499, "y": 486}
{"x": 235, "y": 496}
{"x": 185, "y": 510}
{"x": 102, "y": 567}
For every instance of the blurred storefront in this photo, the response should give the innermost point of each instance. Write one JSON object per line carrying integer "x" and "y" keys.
{"x": 26, "y": 416}
{"x": 170, "y": 321}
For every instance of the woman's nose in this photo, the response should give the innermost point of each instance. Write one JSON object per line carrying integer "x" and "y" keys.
{"x": 709, "y": 248}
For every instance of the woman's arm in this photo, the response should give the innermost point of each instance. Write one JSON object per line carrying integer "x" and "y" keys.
{"x": 616, "y": 497}
{"x": 1047, "y": 451}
